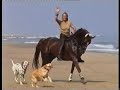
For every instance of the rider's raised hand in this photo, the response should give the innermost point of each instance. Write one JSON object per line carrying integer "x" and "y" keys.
{"x": 57, "y": 10}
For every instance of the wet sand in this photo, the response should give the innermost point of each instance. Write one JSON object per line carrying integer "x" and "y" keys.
{"x": 100, "y": 70}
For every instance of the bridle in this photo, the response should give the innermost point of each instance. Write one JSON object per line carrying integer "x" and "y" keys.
{"x": 78, "y": 47}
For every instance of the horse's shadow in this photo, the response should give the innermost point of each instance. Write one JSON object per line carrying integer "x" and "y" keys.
{"x": 78, "y": 81}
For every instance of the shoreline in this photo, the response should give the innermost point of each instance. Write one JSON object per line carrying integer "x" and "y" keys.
{"x": 33, "y": 45}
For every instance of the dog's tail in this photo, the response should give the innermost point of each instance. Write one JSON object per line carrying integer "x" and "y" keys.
{"x": 12, "y": 61}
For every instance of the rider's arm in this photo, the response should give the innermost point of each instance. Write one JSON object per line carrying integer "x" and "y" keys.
{"x": 57, "y": 20}
{"x": 73, "y": 27}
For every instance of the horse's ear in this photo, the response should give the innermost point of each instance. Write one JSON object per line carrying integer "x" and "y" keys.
{"x": 80, "y": 29}
{"x": 93, "y": 36}
{"x": 86, "y": 35}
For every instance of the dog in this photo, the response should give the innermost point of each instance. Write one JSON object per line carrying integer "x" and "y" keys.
{"x": 41, "y": 74}
{"x": 19, "y": 70}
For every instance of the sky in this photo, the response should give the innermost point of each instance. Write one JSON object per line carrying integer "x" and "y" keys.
{"x": 37, "y": 17}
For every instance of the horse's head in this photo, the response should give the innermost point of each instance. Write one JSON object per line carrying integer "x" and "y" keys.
{"x": 83, "y": 38}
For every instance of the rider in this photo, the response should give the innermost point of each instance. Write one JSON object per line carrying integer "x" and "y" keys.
{"x": 65, "y": 26}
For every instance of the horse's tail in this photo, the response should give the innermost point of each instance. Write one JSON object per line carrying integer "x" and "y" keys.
{"x": 35, "y": 63}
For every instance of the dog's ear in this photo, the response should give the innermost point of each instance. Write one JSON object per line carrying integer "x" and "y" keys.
{"x": 22, "y": 63}
{"x": 45, "y": 65}
{"x": 49, "y": 64}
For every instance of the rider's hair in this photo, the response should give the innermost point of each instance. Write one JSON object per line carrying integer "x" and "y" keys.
{"x": 65, "y": 13}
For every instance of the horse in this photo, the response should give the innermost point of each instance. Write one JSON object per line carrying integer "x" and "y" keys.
{"x": 73, "y": 48}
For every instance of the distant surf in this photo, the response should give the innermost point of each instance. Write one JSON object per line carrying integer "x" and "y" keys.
{"x": 33, "y": 42}
{"x": 106, "y": 47}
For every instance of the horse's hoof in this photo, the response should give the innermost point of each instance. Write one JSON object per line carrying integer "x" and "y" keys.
{"x": 84, "y": 82}
{"x": 70, "y": 80}
{"x": 82, "y": 78}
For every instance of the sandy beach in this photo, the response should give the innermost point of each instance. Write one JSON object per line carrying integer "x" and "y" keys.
{"x": 100, "y": 70}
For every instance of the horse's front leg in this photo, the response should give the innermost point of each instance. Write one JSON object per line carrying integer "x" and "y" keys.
{"x": 75, "y": 61}
{"x": 79, "y": 58}
{"x": 71, "y": 73}
{"x": 73, "y": 66}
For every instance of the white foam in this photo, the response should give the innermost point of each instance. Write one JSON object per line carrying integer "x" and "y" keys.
{"x": 31, "y": 42}
{"x": 4, "y": 39}
{"x": 31, "y": 37}
{"x": 104, "y": 50}
{"x": 12, "y": 37}
{"x": 108, "y": 46}
{"x": 21, "y": 37}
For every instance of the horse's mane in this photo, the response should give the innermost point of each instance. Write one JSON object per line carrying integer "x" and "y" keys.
{"x": 80, "y": 32}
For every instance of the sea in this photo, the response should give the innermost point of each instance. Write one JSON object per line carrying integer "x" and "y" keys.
{"x": 96, "y": 46}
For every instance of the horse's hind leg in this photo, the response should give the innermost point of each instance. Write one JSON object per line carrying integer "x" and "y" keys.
{"x": 46, "y": 58}
{"x": 72, "y": 69}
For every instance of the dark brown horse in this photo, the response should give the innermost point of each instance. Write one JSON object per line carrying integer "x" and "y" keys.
{"x": 74, "y": 47}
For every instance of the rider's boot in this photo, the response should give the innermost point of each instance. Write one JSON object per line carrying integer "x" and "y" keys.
{"x": 80, "y": 60}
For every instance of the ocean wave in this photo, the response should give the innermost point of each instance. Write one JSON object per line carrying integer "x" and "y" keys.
{"x": 31, "y": 37}
{"x": 33, "y": 42}
{"x": 21, "y": 37}
{"x": 4, "y": 39}
{"x": 108, "y": 46}
{"x": 11, "y": 37}
{"x": 104, "y": 50}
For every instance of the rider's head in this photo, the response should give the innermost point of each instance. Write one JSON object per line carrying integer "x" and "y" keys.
{"x": 65, "y": 16}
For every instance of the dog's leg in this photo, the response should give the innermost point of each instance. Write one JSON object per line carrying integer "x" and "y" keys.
{"x": 50, "y": 80}
{"x": 34, "y": 81}
{"x": 36, "y": 84}
{"x": 32, "y": 84}
{"x": 45, "y": 79}
{"x": 16, "y": 78}
{"x": 21, "y": 83}
{"x": 23, "y": 78}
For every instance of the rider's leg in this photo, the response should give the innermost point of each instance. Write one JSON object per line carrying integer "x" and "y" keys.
{"x": 60, "y": 50}
{"x": 62, "y": 37}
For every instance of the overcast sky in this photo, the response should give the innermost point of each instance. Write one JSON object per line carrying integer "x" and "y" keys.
{"x": 36, "y": 17}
